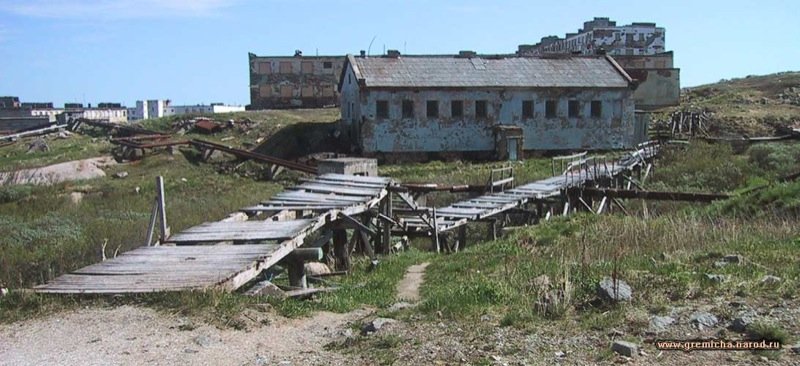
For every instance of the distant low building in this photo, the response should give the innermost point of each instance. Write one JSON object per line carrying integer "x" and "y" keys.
{"x": 493, "y": 106}
{"x": 294, "y": 81}
{"x": 157, "y": 108}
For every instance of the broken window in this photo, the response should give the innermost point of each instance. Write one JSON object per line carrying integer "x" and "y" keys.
{"x": 287, "y": 91}
{"x": 327, "y": 65}
{"x": 433, "y": 109}
{"x": 457, "y": 108}
{"x": 265, "y": 68}
{"x": 382, "y": 109}
{"x": 480, "y": 109}
{"x": 597, "y": 109}
{"x": 285, "y": 67}
{"x": 550, "y": 109}
{"x": 574, "y": 109}
{"x": 408, "y": 109}
{"x": 527, "y": 109}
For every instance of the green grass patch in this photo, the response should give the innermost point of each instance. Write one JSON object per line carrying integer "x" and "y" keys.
{"x": 376, "y": 287}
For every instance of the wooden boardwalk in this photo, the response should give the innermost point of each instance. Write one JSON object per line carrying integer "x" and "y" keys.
{"x": 201, "y": 257}
{"x": 484, "y": 207}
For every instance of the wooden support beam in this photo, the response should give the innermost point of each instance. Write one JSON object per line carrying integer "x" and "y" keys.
{"x": 620, "y": 205}
{"x": 151, "y": 228}
{"x": 462, "y": 238}
{"x": 356, "y": 224}
{"x": 435, "y": 231}
{"x": 340, "y": 250}
{"x": 586, "y": 205}
{"x": 602, "y": 205}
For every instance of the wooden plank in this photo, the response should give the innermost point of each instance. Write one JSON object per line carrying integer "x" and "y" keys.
{"x": 291, "y": 208}
{"x": 312, "y": 187}
{"x": 227, "y": 236}
{"x": 307, "y": 196}
{"x": 345, "y": 183}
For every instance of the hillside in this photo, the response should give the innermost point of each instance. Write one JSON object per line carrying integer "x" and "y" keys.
{"x": 751, "y": 106}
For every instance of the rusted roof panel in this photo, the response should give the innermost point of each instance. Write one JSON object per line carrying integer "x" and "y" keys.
{"x": 526, "y": 72}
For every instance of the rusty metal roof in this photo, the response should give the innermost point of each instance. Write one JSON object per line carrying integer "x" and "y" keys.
{"x": 527, "y": 72}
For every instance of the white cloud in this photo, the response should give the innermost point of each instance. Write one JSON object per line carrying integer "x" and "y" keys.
{"x": 97, "y": 10}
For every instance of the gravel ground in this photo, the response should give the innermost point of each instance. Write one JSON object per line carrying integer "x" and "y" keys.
{"x": 129, "y": 335}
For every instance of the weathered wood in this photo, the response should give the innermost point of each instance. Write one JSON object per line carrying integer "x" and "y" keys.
{"x": 151, "y": 227}
{"x": 162, "y": 207}
{"x": 654, "y": 195}
{"x": 312, "y": 187}
{"x": 340, "y": 250}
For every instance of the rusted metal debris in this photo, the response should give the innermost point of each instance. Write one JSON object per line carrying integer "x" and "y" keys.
{"x": 245, "y": 154}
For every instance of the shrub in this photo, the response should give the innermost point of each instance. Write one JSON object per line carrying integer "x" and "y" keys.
{"x": 774, "y": 158}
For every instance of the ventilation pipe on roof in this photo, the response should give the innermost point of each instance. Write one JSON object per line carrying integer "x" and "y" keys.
{"x": 393, "y": 54}
{"x": 363, "y": 54}
{"x": 466, "y": 54}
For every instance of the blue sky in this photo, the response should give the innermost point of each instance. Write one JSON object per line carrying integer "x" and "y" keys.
{"x": 195, "y": 51}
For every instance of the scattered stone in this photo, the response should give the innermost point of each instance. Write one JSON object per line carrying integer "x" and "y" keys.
{"x": 486, "y": 318}
{"x": 703, "y": 319}
{"x": 796, "y": 348}
{"x": 720, "y": 264}
{"x": 660, "y": 323}
{"x": 184, "y": 180}
{"x": 64, "y": 134}
{"x": 38, "y": 146}
{"x": 716, "y": 278}
{"x": 614, "y": 332}
{"x": 203, "y": 341}
{"x": 620, "y": 291}
{"x": 137, "y": 190}
{"x": 316, "y": 268}
{"x": 376, "y": 325}
{"x": 189, "y": 350}
{"x": 770, "y": 280}
{"x": 560, "y": 354}
{"x": 261, "y": 360}
{"x": 625, "y": 348}
{"x": 733, "y": 259}
{"x": 400, "y": 306}
{"x": 3, "y": 291}
{"x": 120, "y": 175}
{"x": 740, "y": 323}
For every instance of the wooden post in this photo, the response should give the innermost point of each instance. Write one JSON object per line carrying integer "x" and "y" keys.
{"x": 340, "y": 250}
{"x": 462, "y": 238}
{"x": 296, "y": 271}
{"x": 436, "y": 231}
{"x": 386, "y": 239}
{"x": 493, "y": 229}
{"x": 152, "y": 226}
{"x": 162, "y": 208}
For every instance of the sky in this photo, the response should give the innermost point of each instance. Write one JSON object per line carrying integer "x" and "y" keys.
{"x": 195, "y": 51}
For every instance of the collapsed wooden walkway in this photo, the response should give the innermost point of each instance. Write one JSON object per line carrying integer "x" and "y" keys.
{"x": 230, "y": 253}
{"x": 203, "y": 257}
{"x": 579, "y": 172}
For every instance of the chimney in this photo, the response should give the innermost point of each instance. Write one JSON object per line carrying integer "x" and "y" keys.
{"x": 363, "y": 53}
{"x": 466, "y": 54}
{"x": 393, "y": 54}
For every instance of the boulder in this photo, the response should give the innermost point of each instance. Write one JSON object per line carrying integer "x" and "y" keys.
{"x": 615, "y": 292}
{"x": 716, "y": 278}
{"x": 120, "y": 175}
{"x": 625, "y": 348}
{"x": 376, "y": 325}
{"x": 742, "y": 321}
{"x": 660, "y": 323}
{"x": 703, "y": 319}
{"x": 770, "y": 280}
{"x": 316, "y": 268}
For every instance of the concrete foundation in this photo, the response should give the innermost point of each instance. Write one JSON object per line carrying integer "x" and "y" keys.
{"x": 350, "y": 166}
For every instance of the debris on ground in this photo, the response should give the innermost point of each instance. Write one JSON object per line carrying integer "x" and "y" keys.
{"x": 625, "y": 348}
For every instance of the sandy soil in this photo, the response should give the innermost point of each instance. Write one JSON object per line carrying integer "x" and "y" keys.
{"x": 408, "y": 287}
{"x": 129, "y": 335}
{"x": 56, "y": 173}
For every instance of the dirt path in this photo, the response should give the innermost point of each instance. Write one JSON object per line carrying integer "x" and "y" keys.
{"x": 57, "y": 173}
{"x": 130, "y": 335}
{"x": 408, "y": 288}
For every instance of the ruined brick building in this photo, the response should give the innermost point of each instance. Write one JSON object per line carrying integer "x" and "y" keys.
{"x": 294, "y": 81}
{"x": 489, "y": 106}
{"x": 638, "y": 47}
